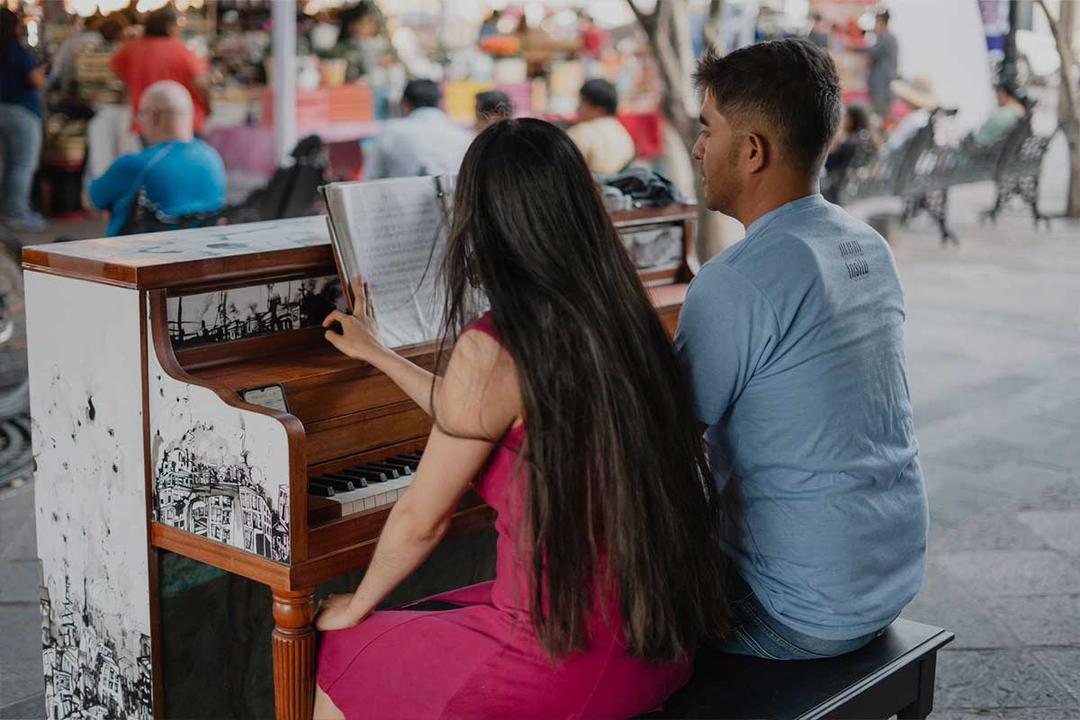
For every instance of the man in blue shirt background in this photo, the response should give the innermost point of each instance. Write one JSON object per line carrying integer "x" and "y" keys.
{"x": 180, "y": 174}
{"x": 793, "y": 340}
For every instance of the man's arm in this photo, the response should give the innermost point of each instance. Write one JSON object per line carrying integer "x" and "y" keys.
{"x": 727, "y": 330}
{"x": 104, "y": 191}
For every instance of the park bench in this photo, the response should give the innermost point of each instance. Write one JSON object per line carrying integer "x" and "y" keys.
{"x": 922, "y": 170}
{"x": 893, "y": 675}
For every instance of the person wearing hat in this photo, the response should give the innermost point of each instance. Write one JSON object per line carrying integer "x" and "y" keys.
{"x": 884, "y": 55}
{"x": 1010, "y": 109}
{"x": 918, "y": 95}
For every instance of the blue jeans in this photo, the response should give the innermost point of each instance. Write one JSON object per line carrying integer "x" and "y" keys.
{"x": 754, "y": 632}
{"x": 20, "y": 148}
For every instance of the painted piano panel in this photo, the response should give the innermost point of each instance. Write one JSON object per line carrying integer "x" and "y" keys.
{"x": 252, "y": 310}
{"x": 219, "y": 472}
{"x": 90, "y": 497}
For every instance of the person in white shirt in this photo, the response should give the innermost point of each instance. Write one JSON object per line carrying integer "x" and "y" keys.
{"x": 424, "y": 142}
{"x": 602, "y": 139}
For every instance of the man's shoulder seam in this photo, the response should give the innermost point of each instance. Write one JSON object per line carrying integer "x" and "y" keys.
{"x": 718, "y": 262}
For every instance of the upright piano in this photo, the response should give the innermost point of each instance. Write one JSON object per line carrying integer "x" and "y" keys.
{"x": 184, "y": 400}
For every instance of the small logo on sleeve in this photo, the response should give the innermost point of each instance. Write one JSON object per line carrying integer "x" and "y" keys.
{"x": 852, "y": 252}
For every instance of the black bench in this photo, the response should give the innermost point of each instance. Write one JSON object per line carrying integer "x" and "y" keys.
{"x": 921, "y": 171}
{"x": 893, "y": 675}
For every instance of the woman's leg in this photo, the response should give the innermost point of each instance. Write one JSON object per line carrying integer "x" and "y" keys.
{"x": 325, "y": 709}
{"x": 24, "y": 151}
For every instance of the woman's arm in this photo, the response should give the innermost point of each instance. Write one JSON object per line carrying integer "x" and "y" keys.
{"x": 359, "y": 338}
{"x": 479, "y": 397}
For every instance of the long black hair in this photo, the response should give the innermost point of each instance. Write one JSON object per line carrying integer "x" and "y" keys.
{"x": 9, "y": 32}
{"x": 618, "y": 484}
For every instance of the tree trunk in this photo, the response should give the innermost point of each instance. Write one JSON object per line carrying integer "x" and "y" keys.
{"x": 1068, "y": 109}
{"x": 668, "y": 31}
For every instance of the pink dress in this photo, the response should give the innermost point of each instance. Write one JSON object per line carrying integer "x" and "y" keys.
{"x": 483, "y": 660}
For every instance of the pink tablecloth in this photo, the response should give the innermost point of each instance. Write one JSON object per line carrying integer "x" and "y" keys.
{"x": 250, "y": 148}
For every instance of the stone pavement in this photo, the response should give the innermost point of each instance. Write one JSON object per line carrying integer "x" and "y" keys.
{"x": 994, "y": 354}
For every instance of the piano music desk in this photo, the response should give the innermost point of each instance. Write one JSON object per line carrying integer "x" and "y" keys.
{"x": 141, "y": 351}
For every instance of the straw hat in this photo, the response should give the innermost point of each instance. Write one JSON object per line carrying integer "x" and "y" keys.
{"x": 918, "y": 92}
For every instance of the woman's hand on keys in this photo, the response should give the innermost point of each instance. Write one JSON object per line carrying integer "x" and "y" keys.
{"x": 359, "y": 336}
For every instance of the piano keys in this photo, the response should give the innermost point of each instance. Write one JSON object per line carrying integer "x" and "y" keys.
{"x": 184, "y": 400}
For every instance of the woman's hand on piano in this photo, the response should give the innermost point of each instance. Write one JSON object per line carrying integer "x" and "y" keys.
{"x": 336, "y": 613}
{"x": 359, "y": 336}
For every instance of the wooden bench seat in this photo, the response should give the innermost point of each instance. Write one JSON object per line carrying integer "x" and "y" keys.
{"x": 893, "y": 675}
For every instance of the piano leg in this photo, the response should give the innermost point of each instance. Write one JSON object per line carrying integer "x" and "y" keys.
{"x": 294, "y": 654}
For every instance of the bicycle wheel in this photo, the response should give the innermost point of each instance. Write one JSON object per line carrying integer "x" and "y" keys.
{"x": 14, "y": 378}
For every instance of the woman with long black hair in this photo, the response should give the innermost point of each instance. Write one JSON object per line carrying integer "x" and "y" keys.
{"x": 563, "y": 406}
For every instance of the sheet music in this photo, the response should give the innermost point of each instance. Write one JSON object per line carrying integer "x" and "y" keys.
{"x": 394, "y": 234}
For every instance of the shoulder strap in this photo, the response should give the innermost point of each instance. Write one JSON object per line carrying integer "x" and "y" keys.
{"x": 137, "y": 185}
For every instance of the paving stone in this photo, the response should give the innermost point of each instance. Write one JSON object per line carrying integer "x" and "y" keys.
{"x": 999, "y": 573}
{"x": 16, "y": 511}
{"x": 1064, "y": 665}
{"x": 19, "y": 581}
{"x": 946, "y": 602}
{"x": 1041, "y": 619}
{"x": 1071, "y": 712}
{"x": 1004, "y": 678}
{"x": 1039, "y": 487}
{"x": 1060, "y": 530}
{"x": 20, "y": 653}
{"x": 33, "y": 708}
{"x": 22, "y": 546}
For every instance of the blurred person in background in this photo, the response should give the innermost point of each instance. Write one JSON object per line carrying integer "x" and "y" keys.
{"x": 919, "y": 96}
{"x": 884, "y": 56}
{"x": 179, "y": 173}
{"x": 100, "y": 33}
{"x": 593, "y": 39}
{"x": 423, "y": 142}
{"x": 21, "y": 80}
{"x": 820, "y": 31}
{"x": 1009, "y": 111}
{"x": 602, "y": 139}
{"x": 491, "y": 107}
{"x": 361, "y": 41}
{"x": 856, "y": 136}
{"x": 161, "y": 55}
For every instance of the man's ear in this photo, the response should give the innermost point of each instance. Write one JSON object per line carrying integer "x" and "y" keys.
{"x": 757, "y": 153}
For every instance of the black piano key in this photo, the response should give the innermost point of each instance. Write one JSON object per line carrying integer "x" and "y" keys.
{"x": 340, "y": 483}
{"x": 390, "y": 470}
{"x": 411, "y": 456}
{"x": 366, "y": 475}
{"x": 403, "y": 467}
{"x": 314, "y": 487}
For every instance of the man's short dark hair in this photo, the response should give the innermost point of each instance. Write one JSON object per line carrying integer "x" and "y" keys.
{"x": 494, "y": 103}
{"x": 159, "y": 22}
{"x": 883, "y": 17}
{"x": 422, "y": 93}
{"x": 789, "y": 85}
{"x": 602, "y": 94}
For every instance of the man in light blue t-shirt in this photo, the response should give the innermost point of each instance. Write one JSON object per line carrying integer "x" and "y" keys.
{"x": 180, "y": 174}
{"x": 793, "y": 340}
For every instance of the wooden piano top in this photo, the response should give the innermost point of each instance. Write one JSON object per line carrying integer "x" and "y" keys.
{"x": 225, "y": 254}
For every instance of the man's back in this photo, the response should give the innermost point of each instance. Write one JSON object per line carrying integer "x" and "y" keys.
{"x": 605, "y": 143}
{"x": 179, "y": 177}
{"x": 144, "y": 61}
{"x": 793, "y": 340}
{"x": 426, "y": 142}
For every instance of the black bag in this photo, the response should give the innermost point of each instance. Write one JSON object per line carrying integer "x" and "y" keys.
{"x": 647, "y": 189}
{"x": 146, "y": 217}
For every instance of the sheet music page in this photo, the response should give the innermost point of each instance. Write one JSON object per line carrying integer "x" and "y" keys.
{"x": 396, "y": 231}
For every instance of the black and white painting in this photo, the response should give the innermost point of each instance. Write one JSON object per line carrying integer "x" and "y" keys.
{"x": 200, "y": 488}
{"x": 84, "y": 348}
{"x": 219, "y": 472}
{"x": 253, "y": 310}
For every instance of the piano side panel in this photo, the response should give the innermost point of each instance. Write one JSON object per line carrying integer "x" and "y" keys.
{"x": 90, "y": 496}
{"x": 219, "y": 472}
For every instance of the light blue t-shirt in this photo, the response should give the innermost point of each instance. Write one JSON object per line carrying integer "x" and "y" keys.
{"x": 186, "y": 177}
{"x": 793, "y": 340}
